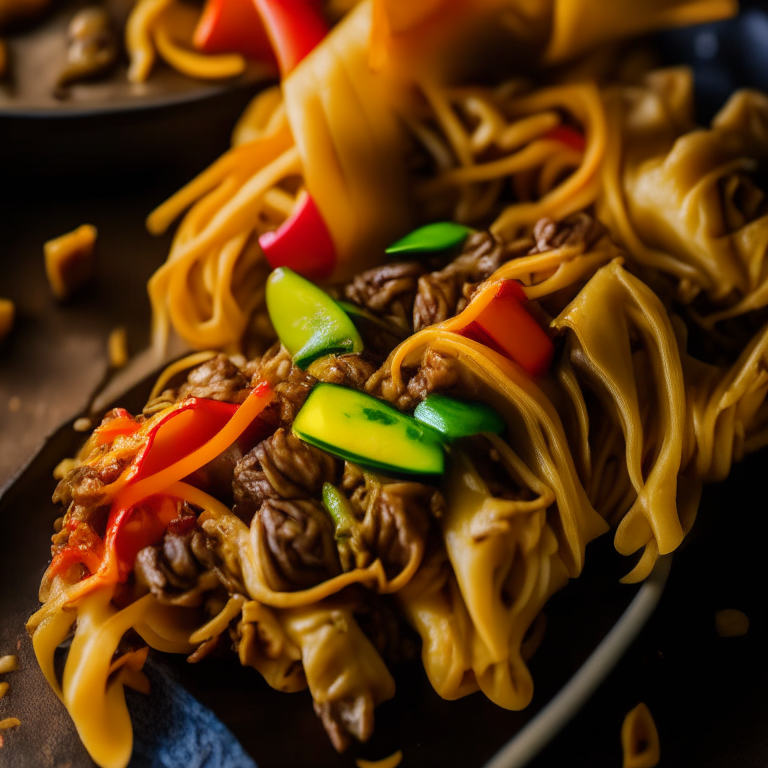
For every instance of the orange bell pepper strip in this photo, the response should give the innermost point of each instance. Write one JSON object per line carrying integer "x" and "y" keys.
{"x": 498, "y": 318}
{"x": 233, "y": 26}
{"x": 122, "y": 424}
{"x": 302, "y": 242}
{"x": 295, "y": 27}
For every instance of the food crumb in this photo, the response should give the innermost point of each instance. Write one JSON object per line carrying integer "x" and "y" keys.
{"x": 14, "y": 404}
{"x": 388, "y": 762}
{"x": 83, "y": 424}
{"x": 2, "y": 741}
{"x": 8, "y": 664}
{"x": 640, "y": 739}
{"x": 7, "y": 315}
{"x": 69, "y": 260}
{"x": 731, "y": 623}
{"x": 9, "y": 722}
{"x": 117, "y": 346}
{"x": 3, "y": 689}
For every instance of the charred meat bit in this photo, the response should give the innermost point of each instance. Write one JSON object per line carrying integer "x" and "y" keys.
{"x": 296, "y": 544}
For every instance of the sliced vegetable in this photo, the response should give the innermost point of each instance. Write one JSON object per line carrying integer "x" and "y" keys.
{"x": 122, "y": 424}
{"x": 504, "y": 324}
{"x": 568, "y": 136}
{"x": 308, "y": 322}
{"x": 295, "y": 27}
{"x": 455, "y": 418}
{"x": 233, "y": 26}
{"x": 431, "y": 238}
{"x": 180, "y": 443}
{"x": 302, "y": 242}
{"x": 357, "y": 427}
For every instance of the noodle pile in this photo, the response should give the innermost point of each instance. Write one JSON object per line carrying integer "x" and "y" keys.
{"x": 634, "y": 236}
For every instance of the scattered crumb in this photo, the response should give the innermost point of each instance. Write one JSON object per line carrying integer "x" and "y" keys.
{"x": 640, "y": 739}
{"x": 117, "y": 346}
{"x": 64, "y": 467}
{"x": 7, "y": 315}
{"x": 18, "y": 644}
{"x": 2, "y": 741}
{"x": 69, "y": 260}
{"x": 3, "y": 689}
{"x": 388, "y": 762}
{"x": 8, "y": 664}
{"x": 731, "y": 623}
{"x": 9, "y": 722}
{"x": 82, "y": 424}
{"x": 14, "y": 404}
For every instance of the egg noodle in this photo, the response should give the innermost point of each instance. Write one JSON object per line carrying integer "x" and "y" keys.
{"x": 658, "y": 383}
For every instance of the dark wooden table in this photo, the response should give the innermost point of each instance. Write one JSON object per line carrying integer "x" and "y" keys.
{"x": 707, "y": 694}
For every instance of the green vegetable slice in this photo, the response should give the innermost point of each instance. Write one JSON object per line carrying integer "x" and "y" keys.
{"x": 455, "y": 418}
{"x": 308, "y": 322}
{"x": 359, "y": 428}
{"x": 439, "y": 236}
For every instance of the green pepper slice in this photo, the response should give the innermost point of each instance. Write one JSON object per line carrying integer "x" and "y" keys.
{"x": 455, "y": 418}
{"x": 308, "y": 322}
{"x": 357, "y": 427}
{"x": 440, "y": 236}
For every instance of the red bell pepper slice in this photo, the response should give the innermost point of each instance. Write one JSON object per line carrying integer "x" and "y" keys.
{"x": 505, "y": 325}
{"x": 295, "y": 27}
{"x": 302, "y": 242}
{"x": 233, "y": 26}
{"x": 568, "y": 136}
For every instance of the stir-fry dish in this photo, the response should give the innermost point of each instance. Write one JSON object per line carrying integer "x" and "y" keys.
{"x": 540, "y": 320}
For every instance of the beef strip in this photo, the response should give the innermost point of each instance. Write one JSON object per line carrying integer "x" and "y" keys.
{"x": 291, "y": 385}
{"x": 387, "y": 291}
{"x": 394, "y": 517}
{"x": 578, "y": 229}
{"x": 280, "y": 467}
{"x": 346, "y": 370}
{"x": 445, "y": 293}
{"x": 296, "y": 544}
{"x": 217, "y": 379}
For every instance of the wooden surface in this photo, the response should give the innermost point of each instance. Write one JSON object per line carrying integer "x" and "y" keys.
{"x": 706, "y": 693}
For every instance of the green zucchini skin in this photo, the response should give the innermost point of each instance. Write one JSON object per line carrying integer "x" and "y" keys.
{"x": 360, "y": 428}
{"x": 308, "y": 322}
{"x": 455, "y": 418}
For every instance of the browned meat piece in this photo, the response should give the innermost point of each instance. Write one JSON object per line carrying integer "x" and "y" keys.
{"x": 387, "y": 291}
{"x": 347, "y": 717}
{"x": 296, "y": 544}
{"x": 218, "y": 379}
{"x": 84, "y": 484}
{"x": 580, "y": 228}
{"x": 348, "y": 370}
{"x": 445, "y": 293}
{"x": 395, "y": 517}
{"x": 282, "y": 466}
{"x": 292, "y": 385}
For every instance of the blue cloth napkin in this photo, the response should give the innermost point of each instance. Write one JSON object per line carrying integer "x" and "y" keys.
{"x": 171, "y": 729}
